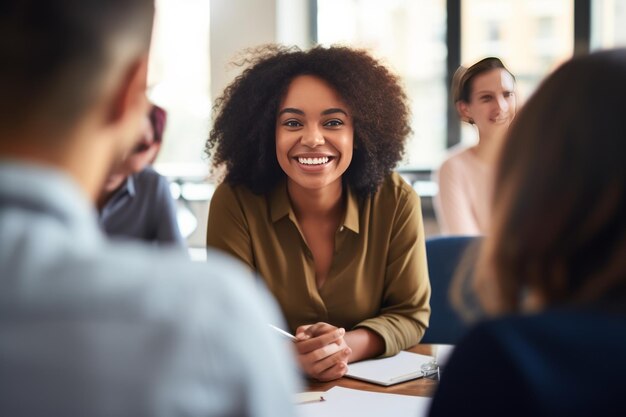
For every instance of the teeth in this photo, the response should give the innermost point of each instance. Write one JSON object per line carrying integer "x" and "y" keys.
{"x": 313, "y": 161}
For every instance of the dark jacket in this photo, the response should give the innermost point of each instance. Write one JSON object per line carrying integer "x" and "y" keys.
{"x": 557, "y": 363}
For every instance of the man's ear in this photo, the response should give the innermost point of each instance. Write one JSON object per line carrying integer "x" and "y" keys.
{"x": 130, "y": 105}
{"x": 462, "y": 109}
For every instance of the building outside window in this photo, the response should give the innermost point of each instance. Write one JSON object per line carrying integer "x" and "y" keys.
{"x": 533, "y": 38}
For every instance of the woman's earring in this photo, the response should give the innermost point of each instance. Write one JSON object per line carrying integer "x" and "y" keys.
{"x": 470, "y": 121}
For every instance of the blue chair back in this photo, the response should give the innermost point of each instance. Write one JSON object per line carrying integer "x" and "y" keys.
{"x": 444, "y": 254}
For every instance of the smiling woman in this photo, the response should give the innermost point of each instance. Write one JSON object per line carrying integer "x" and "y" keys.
{"x": 309, "y": 140}
{"x": 484, "y": 95}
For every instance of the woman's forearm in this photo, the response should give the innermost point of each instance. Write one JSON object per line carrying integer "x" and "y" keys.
{"x": 364, "y": 343}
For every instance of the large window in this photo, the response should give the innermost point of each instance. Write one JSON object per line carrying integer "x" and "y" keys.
{"x": 418, "y": 39}
{"x": 531, "y": 36}
{"x": 410, "y": 37}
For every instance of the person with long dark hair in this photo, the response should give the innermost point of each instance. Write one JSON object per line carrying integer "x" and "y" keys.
{"x": 551, "y": 275}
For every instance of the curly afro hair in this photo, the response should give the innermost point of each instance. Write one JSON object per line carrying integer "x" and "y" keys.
{"x": 243, "y": 134}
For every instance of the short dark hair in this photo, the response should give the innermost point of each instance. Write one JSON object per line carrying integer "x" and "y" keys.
{"x": 463, "y": 77}
{"x": 243, "y": 134}
{"x": 56, "y": 53}
{"x": 559, "y": 223}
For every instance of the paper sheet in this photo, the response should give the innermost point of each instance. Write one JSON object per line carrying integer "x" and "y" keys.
{"x": 309, "y": 397}
{"x": 344, "y": 402}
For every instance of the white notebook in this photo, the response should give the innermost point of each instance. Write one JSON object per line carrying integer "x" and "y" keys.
{"x": 389, "y": 371}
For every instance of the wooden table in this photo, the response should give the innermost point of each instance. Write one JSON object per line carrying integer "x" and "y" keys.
{"x": 418, "y": 387}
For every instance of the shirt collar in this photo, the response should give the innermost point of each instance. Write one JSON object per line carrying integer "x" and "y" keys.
{"x": 125, "y": 190}
{"x": 130, "y": 185}
{"x": 280, "y": 206}
{"x": 351, "y": 220}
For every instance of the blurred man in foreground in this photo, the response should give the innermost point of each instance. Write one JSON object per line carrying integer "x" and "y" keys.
{"x": 86, "y": 327}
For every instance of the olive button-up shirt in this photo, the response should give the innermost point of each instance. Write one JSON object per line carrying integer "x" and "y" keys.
{"x": 378, "y": 278}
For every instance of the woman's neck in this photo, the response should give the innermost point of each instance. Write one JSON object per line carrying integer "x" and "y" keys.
{"x": 488, "y": 147}
{"x": 324, "y": 203}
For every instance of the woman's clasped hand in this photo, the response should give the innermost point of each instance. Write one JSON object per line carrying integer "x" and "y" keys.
{"x": 322, "y": 351}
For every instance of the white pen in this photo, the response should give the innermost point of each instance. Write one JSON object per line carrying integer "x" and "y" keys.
{"x": 284, "y": 333}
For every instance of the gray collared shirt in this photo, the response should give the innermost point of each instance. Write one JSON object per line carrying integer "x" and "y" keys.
{"x": 92, "y": 328}
{"x": 142, "y": 208}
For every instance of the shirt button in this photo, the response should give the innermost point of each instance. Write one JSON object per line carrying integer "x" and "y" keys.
{"x": 341, "y": 229}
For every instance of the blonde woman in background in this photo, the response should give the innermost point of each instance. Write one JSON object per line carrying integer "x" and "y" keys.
{"x": 484, "y": 96}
